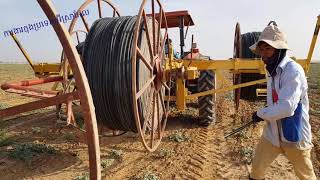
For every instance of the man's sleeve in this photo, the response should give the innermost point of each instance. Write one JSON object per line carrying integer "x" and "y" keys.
{"x": 289, "y": 97}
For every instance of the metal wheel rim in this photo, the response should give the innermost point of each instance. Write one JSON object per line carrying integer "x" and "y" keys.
{"x": 84, "y": 5}
{"x": 156, "y": 80}
{"x": 75, "y": 19}
{"x": 83, "y": 90}
{"x": 237, "y": 53}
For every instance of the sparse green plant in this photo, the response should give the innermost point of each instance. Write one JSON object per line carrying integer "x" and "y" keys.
{"x": 178, "y": 136}
{"x": 106, "y": 162}
{"x": 69, "y": 136}
{"x": 115, "y": 154}
{"x": 5, "y": 139}
{"x": 247, "y": 154}
{"x": 36, "y": 130}
{"x": 80, "y": 120}
{"x": 3, "y": 106}
{"x": 84, "y": 176}
{"x": 148, "y": 175}
{"x": 242, "y": 135}
{"x": 26, "y": 152}
{"x": 165, "y": 153}
{"x": 230, "y": 95}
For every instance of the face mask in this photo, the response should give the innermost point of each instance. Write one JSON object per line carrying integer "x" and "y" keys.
{"x": 273, "y": 62}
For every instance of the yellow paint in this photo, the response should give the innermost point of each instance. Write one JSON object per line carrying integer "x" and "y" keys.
{"x": 192, "y": 73}
{"x": 312, "y": 45}
{"x": 181, "y": 94}
{"x": 44, "y": 69}
{"x": 261, "y": 92}
{"x": 213, "y": 91}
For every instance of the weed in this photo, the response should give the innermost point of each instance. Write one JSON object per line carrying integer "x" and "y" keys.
{"x": 69, "y": 136}
{"x": 84, "y": 176}
{"x": 36, "y": 130}
{"x": 247, "y": 154}
{"x": 5, "y": 139}
{"x": 80, "y": 120}
{"x": 3, "y": 106}
{"x": 178, "y": 136}
{"x": 115, "y": 154}
{"x": 165, "y": 153}
{"x": 26, "y": 152}
{"x": 106, "y": 163}
{"x": 230, "y": 95}
{"x": 148, "y": 175}
{"x": 242, "y": 135}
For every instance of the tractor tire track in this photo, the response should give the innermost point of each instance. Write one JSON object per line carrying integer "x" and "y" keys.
{"x": 194, "y": 165}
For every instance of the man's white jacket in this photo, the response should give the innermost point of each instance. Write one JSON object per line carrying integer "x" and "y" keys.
{"x": 291, "y": 86}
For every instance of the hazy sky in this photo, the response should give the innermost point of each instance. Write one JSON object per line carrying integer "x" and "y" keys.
{"x": 214, "y": 31}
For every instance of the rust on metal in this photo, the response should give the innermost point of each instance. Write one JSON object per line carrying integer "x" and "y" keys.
{"x": 152, "y": 129}
{"x": 82, "y": 88}
{"x": 173, "y": 19}
{"x": 83, "y": 6}
{"x": 237, "y": 53}
{"x": 51, "y": 101}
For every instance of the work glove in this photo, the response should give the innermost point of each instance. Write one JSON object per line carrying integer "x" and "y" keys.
{"x": 256, "y": 118}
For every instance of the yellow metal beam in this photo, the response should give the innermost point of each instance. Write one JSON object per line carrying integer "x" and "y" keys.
{"x": 313, "y": 44}
{"x": 231, "y": 64}
{"x": 236, "y": 65}
{"x": 261, "y": 92}
{"x": 181, "y": 93}
{"x": 213, "y": 91}
{"x": 46, "y": 69}
{"x": 24, "y": 52}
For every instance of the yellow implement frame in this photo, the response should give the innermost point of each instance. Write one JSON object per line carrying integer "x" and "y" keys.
{"x": 41, "y": 69}
{"x": 184, "y": 70}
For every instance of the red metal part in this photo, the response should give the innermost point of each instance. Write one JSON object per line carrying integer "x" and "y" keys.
{"x": 82, "y": 88}
{"x": 195, "y": 54}
{"x": 173, "y": 19}
{"x": 52, "y": 101}
{"x": 35, "y": 81}
{"x": 23, "y": 87}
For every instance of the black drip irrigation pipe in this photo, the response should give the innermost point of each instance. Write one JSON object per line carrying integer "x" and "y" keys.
{"x": 107, "y": 57}
{"x": 247, "y": 40}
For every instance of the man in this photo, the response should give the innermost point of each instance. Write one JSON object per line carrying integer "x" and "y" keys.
{"x": 287, "y": 130}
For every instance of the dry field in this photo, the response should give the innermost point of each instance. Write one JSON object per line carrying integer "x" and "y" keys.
{"x": 34, "y": 146}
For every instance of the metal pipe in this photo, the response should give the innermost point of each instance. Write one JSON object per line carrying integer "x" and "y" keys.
{"x": 181, "y": 35}
{"x": 239, "y": 129}
{"x": 214, "y": 91}
{"x": 51, "y": 101}
{"x": 312, "y": 45}
{"x": 25, "y": 54}
{"x": 33, "y": 82}
{"x": 191, "y": 47}
{"x": 99, "y": 8}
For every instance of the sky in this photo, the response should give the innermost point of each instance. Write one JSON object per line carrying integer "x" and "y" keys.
{"x": 213, "y": 32}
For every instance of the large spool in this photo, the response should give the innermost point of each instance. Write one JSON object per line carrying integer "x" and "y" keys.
{"x": 242, "y": 42}
{"x": 76, "y": 30}
{"x": 123, "y": 59}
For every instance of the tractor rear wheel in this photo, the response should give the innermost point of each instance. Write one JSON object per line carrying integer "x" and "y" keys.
{"x": 206, "y": 103}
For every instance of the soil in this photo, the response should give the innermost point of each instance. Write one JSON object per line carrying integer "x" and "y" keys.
{"x": 204, "y": 153}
